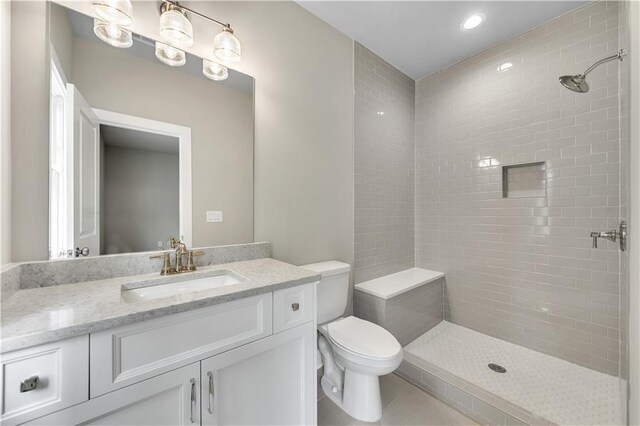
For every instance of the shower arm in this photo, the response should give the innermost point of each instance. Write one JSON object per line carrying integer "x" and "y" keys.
{"x": 621, "y": 53}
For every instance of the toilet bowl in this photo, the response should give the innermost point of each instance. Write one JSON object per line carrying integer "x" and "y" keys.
{"x": 354, "y": 352}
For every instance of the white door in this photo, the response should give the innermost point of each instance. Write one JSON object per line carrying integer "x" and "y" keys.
{"x": 268, "y": 382}
{"x": 172, "y": 398}
{"x": 85, "y": 133}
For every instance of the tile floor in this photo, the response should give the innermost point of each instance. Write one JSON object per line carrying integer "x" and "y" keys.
{"x": 402, "y": 404}
{"x": 548, "y": 387}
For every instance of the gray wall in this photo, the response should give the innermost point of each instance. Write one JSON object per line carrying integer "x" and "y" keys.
{"x": 5, "y": 132}
{"x": 29, "y": 131}
{"x": 523, "y": 269}
{"x": 61, "y": 39}
{"x": 221, "y": 122}
{"x": 384, "y": 167}
{"x": 140, "y": 190}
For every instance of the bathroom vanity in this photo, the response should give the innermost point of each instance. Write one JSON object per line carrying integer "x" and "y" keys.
{"x": 239, "y": 353}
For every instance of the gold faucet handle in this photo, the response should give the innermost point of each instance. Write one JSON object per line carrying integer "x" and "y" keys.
{"x": 191, "y": 266}
{"x": 172, "y": 242}
{"x": 166, "y": 263}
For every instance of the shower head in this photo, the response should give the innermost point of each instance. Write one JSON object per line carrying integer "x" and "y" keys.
{"x": 578, "y": 82}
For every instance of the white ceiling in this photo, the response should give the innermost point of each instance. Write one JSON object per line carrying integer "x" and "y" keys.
{"x": 136, "y": 139}
{"x": 422, "y": 37}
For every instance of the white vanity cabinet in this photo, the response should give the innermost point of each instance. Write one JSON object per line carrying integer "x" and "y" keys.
{"x": 217, "y": 365}
{"x": 171, "y": 398}
{"x": 268, "y": 382}
{"x": 125, "y": 355}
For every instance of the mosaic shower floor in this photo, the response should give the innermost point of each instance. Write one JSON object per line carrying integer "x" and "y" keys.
{"x": 546, "y": 387}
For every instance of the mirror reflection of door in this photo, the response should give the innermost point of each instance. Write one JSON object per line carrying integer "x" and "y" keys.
{"x": 86, "y": 175}
{"x": 139, "y": 189}
{"x": 113, "y": 189}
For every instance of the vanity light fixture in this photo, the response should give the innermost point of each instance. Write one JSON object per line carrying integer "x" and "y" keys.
{"x": 175, "y": 26}
{"x": 118, "y": 12}
{"x": 472, "y": 22}
{"x": 170, "y": 55}
{"x": 112, "y": 34}
{"x": 226, "y": 46}
{"x": 505, "y": 67}
{"x": 214, "y": 70}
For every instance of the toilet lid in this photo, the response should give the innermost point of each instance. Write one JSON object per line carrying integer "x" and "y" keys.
{"x": 364, "y": 338}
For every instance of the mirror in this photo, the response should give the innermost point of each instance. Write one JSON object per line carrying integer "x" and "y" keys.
{"x": 141, "y": 151}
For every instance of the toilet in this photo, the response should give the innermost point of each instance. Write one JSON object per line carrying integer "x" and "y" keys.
{"x": 354, "y": 352}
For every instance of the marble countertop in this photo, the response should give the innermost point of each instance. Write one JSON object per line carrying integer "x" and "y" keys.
{"x": 35, "y": 316}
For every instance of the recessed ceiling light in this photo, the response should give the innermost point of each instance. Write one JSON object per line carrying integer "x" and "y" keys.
{"x": 505, "y": 67}
{"x": 472, "y": 22}
{"x": 380, "y": 112}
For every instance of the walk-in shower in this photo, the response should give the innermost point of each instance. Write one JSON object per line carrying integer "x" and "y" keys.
{"x": 578, "y": 82}
{"x": 524, "y": 287}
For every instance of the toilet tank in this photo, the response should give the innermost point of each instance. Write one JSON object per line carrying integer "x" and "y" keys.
{"x": 333, "y": 289}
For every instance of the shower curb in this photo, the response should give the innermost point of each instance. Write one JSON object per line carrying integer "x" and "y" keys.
{"x": 474, "y": 402}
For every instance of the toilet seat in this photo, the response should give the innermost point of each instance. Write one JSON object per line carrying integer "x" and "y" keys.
{"x": 363, "y": 339}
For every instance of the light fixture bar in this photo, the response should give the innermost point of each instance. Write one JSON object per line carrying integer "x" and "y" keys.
{"x": 175, "y": 3}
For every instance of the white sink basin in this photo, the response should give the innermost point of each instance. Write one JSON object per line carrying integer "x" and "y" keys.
{"x": 161, "y": 289}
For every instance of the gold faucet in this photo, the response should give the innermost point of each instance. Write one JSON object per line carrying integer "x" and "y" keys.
{"x": 180, "y": 251}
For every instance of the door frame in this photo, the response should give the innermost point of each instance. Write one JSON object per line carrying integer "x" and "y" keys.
{"x": 184, "y": 149}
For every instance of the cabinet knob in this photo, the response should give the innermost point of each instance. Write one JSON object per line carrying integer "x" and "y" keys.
{"x": 27, "y": 385}
{"x": 295, "y": 306}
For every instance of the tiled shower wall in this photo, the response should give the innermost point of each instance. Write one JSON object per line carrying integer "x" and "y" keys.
{"x": 384, "y": 167}
{"x": 522, "y": 269}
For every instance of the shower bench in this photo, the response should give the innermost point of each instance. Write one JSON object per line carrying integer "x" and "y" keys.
{"x": 407, "y": 303}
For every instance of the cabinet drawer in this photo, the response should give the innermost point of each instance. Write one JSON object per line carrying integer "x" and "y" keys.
{"x": 292, "y": 307}
{"x": 125, "y": 355}
{"x": 171, "y": 398}
{"x": 62, "y": 371}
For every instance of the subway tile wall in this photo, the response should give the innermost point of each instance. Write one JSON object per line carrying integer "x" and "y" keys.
{"x": 384, "y": 167}
{"x": 523, "y": 269}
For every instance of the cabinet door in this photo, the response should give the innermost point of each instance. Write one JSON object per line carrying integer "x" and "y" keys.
{"x": 172, "y": 398}
{"x": 268, "y": 382}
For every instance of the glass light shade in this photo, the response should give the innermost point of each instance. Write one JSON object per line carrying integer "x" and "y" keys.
{"x": 112, "y": 34}
{"x": 176, "y": 28}
{"x": 214, "y": 70}
{"x": 119, "y": 12}
{"x": 226, "y": 46}
{"x": 170, "y": 55}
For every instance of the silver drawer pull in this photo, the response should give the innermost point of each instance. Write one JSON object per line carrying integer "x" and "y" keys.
{"x": 295, "y": 306}
{"x": 192, "y": 415}
{"x": 27, "y": 385}
{"x": 211, "y": 392}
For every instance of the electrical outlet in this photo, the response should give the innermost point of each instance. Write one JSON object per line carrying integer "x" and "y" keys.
{"x": 214, "y": 216}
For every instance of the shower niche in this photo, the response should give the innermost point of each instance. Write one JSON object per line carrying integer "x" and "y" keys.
{"x": 524, "y": 180}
